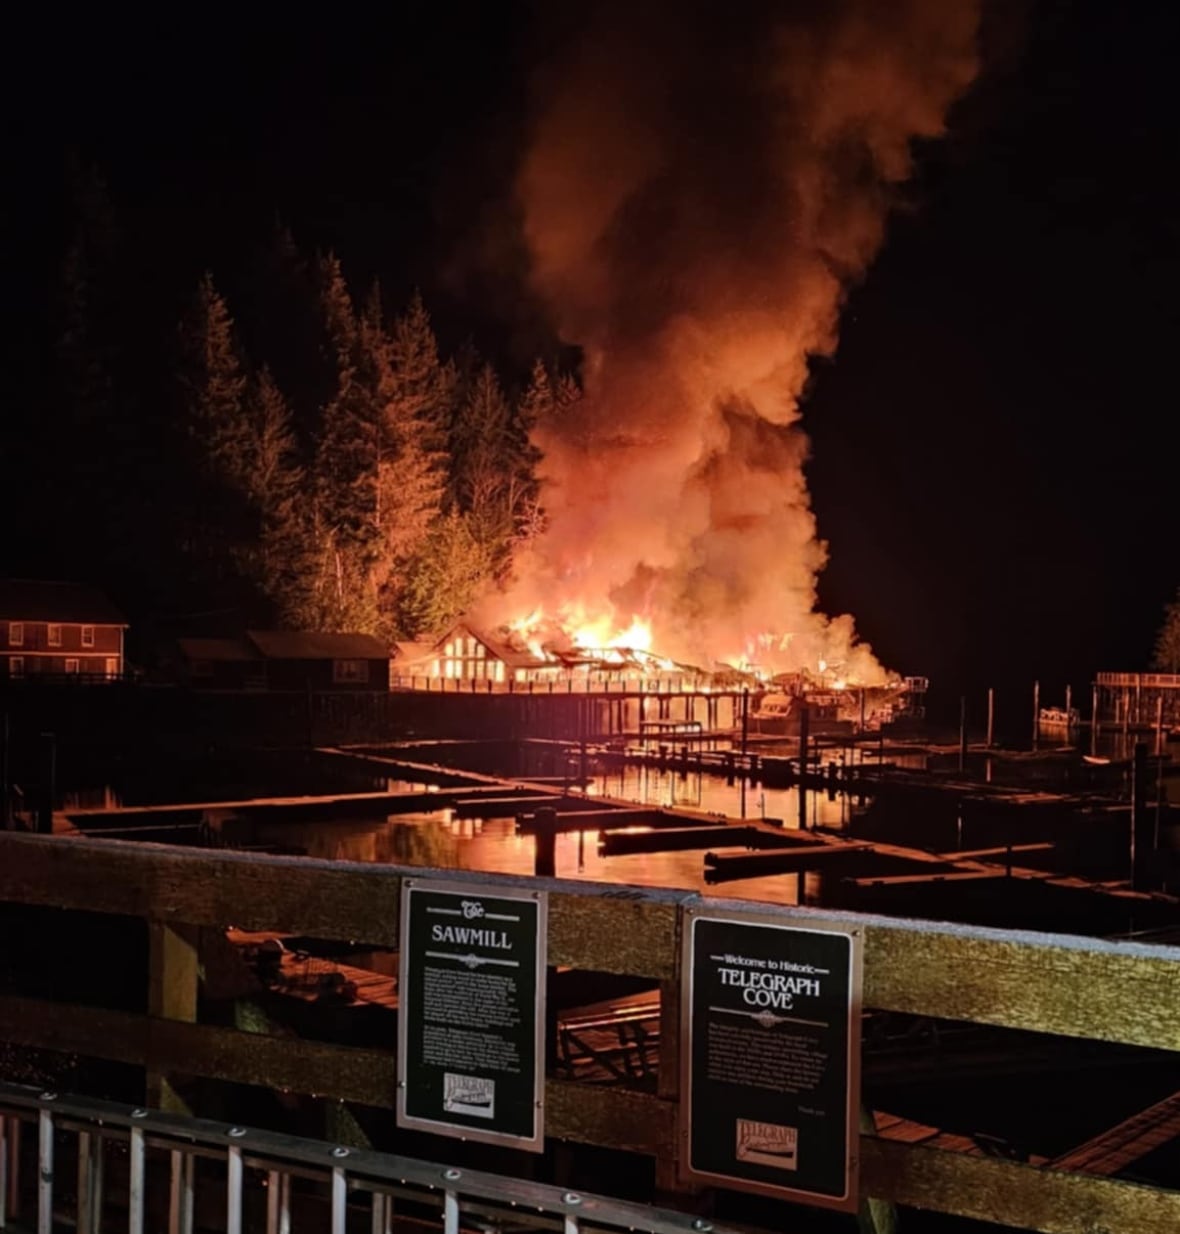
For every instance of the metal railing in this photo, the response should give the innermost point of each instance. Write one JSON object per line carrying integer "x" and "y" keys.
{"x": 269, "y": 1161}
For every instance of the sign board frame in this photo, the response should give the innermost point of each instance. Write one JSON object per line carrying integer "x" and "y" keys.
{"x": 755, "y": 1173}
{"x": 470, "y": 907}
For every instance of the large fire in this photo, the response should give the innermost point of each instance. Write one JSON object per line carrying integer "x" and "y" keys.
{"x": 697, "y": 197}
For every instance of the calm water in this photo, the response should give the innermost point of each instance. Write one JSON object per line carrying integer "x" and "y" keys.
{"x": 439, "y": 840}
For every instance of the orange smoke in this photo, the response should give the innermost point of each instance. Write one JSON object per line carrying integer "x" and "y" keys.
{"x": 703, "y": 184}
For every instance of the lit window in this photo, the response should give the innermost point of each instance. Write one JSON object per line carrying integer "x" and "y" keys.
{"x": 350, "y": 670}
{"x": 449, "y": 649}
{"x": 112, "y": 666}
{"x": 87, "y": 636}
{"x": 16, "y": 634}
{"x": 55, "y": 636}
{"x": 16, "y": 666}
{"x": 71, "y": 664}
{"x": 480, "y": 650}
{"x": 499, "y": 670}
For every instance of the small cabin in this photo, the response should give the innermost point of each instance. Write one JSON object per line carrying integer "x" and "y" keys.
{"x": 286, "y": 660}
{"x": 59, "y": 631}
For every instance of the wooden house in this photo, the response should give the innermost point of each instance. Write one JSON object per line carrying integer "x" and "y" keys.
{"x": 466, "y": 653}
{"x": 286, "y": 660}
{"x": 61, "y": 631}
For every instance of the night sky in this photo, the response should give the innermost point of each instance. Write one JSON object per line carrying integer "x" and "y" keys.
{"x": 993, "y": 453}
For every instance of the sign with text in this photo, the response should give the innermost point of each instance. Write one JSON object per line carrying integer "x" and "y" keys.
{"x": 471, "y": 1013}
{"x": 771, "y": 1056}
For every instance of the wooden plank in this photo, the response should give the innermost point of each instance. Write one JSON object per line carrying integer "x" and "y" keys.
{"x": 1078, "y": 987}
{"x": 723, "y": 867}
{"x": 299, "y": 895}
{"x": 1011, "y": 1193}
{"x": 591, "y": 818}
{"x": 1132, "y": 1139}
{"x": 909, "y": 880}
{"x": 1050, "y": 983}
{"x": 589, "y": 1114}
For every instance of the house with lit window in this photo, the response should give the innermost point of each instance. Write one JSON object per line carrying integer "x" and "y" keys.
{"x": 286, "y": 660}
{"x": 54, "y": 630}
{"x": 470, "y": 655}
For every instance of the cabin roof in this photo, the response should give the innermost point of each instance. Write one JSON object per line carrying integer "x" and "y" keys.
{"x": 500, "y": 648}
{"x": 313, "y": 645}
{"x": 24, "y": 599}
{"x": 221, "y": 650}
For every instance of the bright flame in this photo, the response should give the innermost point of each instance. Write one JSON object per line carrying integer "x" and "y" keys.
{"x": 603, "y": 632}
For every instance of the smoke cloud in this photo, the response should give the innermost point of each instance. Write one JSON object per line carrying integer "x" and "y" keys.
{"x": 703, "y": 184}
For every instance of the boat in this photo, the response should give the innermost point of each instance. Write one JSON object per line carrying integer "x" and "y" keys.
{"x": 778, "y": 715}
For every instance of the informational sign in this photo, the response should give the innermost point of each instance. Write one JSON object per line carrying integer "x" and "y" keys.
{"x": 771, "y": 1055}
{"x": 471, "y": 1012}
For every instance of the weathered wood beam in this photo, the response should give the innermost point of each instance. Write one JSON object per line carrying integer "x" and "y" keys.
{"x": 986, "y": 1188}
{"x": 1080, "y": 987}
{"x": 616, "y": 1118}
{"x": 1010, "y": 1193}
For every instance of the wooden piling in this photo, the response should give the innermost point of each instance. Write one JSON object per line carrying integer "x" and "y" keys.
{"x": 962, "y": 732}
{"x": 1036, "y": 724}
{"x": 804, "y": 725}
{"x": 991, "y": 716}
{"x": 545, "y": 843}
{"x": 1142, "y": 829}
{"x": 47, "y": 787}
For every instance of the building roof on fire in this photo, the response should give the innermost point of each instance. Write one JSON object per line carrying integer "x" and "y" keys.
{"x": 312, "y": 645}
{"x": 25, "y": 599}
{"x": 513, "y": 656}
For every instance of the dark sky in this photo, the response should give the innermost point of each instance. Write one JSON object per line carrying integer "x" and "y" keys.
{"x": 993, "y": 442}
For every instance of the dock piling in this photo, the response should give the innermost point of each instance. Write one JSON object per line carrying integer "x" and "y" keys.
{"x": 545, "y": 842}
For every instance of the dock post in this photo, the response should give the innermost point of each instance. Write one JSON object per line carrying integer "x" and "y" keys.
{"x": 173, "y": 980}
{"x": 1095, "y": 723}
{"x": 745, "y": 720}
{"x": 804, "y": 725}
{"x": 1142, "y": 828}
{"x": 1159, "y": 723}
{"x": 962, "y": 732}
{"x": 1036, "y": 727}
{"x": 545, "y": 841}
{"x": 48, "y": 785}
{"x": 991, "y": 716}
{"x": 1068, "y": 710}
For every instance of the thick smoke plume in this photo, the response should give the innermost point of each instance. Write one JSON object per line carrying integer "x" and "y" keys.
{"x": 703, "y": 184}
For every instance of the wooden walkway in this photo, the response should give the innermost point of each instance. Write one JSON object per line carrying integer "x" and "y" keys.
{"x": 1113, "y": 1151}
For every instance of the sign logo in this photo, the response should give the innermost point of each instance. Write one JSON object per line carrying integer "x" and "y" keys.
{"x": 767, "y": 1144}
{"x": 469, "y": 1094}
{"x": 472, "y": 908}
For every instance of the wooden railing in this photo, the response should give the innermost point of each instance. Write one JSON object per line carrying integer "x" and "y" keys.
{"x": 1153, "y": 681}
{"x": 1082, "y": 988}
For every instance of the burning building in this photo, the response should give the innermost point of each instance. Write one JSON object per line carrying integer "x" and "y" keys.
{"x": 471, "y": 657}
{"x": 696, "y": 199}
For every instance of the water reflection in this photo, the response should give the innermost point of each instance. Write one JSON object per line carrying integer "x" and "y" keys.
{"x": 441, "y": 841}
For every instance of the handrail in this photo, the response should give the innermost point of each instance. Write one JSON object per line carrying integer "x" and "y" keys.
{"x": 347, "y": 1169}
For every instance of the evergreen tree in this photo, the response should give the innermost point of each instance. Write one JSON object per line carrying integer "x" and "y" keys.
{"x": 285, "y": 326}
{"x": 1167, "y": 641}
{"x": 212, "y": 383}
{"x": 444, "y": 579}
{"x": 411, "y": 388}
{"x": 285, "y": 565}
{"x": 346, "y": 463}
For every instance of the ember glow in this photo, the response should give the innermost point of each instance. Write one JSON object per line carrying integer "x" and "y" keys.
{"x": 697, "y": 197}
